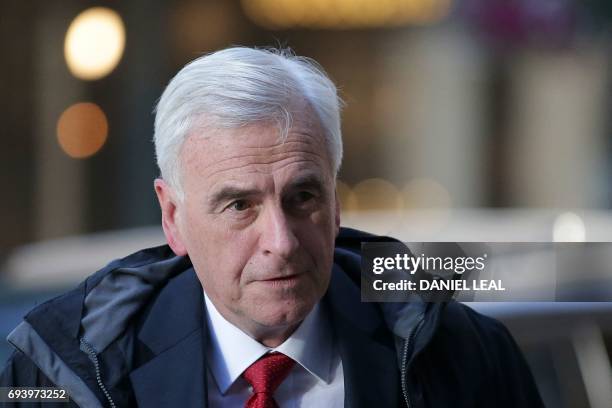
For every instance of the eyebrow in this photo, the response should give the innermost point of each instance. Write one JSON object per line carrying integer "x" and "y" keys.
{"x": 308, "y": 181}
{"x": 232, "y": 192}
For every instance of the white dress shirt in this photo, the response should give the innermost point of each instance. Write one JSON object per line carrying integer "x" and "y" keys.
{"x": 316, "y": 380}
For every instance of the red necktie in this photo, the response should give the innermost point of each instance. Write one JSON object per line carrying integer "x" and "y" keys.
{"x": 265, "y": 375}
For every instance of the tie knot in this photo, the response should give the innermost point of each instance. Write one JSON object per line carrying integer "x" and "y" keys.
{"x": 267, "y": 373}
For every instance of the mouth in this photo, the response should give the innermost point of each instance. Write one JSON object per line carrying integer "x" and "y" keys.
{"x": 281, "y": 278}
{"x": 287, "y": 281}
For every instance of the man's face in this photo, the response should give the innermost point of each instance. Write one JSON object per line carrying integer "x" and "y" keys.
{"x": 258, "y": 221}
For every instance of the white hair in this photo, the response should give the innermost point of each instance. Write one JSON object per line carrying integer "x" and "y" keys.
{"x": 239, "y": 86}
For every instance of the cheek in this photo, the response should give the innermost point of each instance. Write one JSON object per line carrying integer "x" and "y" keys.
{"x": 219, "y": 254}
{"x": 317, "y": 238}
{"x": 322, "y": 224}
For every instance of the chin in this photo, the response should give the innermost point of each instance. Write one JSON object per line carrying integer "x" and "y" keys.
{"x": 285, "y": 314}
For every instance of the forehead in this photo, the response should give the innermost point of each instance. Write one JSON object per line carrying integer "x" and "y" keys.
{"x": 211, "y": 156}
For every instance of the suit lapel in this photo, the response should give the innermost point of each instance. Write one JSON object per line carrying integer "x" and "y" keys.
{"x": 174, "y": 332}
{"x": 369, "y": 361}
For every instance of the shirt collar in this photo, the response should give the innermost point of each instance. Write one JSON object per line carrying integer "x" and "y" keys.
{"x": 231, "y": 351}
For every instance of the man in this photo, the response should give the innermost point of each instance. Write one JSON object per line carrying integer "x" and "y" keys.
{"x": 255, "y": 301}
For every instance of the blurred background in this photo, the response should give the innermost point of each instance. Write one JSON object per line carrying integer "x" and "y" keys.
{"x": 466, "y": 120}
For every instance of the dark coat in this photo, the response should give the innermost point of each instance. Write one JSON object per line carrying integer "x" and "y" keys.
{"x": 134, "y": 333}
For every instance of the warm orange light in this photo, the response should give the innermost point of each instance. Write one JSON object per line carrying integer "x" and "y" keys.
{"x": 82, "y": 130}
{"x": 94, "y": 43}
{"x": 377, "y": 194}
{"x": 426, "y": 193}
{"x": 346, "y": 196}
{"x": 340, "y": 14}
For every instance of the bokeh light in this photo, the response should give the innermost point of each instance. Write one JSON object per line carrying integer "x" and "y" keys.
{"x": 94, "y": 43}
{"x": 345, "y": 14}
{"x": 377, "y": 194}
{"x": 569, "y": 227}
{"x": 82, "y": 130}
{"x": 348, "y": 201}
{"x": 426, "y": 193}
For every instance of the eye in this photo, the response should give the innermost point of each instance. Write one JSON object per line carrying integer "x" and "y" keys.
{"x": 302, "y": 200}
{"x": 239, "y": 205}
{"x": 303, "y": 196}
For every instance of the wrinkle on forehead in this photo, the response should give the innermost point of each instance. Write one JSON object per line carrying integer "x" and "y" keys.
{"x": 261, "y": 156}
{"x": 255, "y": 148}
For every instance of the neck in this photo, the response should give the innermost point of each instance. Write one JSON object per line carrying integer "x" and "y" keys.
{"x": 273, "y": 338}
{"x": 269, "y": 336}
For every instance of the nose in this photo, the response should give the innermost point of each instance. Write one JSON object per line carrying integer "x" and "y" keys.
{"x": 277, "y": 235}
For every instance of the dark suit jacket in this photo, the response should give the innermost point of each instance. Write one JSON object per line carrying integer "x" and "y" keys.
{"x": 154, "y": 355}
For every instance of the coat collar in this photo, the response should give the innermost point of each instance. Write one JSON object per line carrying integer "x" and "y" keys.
{"x": 369, "y": 361}
{"x": 175, "y": 328}
{"x": 174, "y": 333}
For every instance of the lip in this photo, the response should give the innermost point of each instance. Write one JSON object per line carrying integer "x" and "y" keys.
{"x": 288, "y": 281}
{"x": 281, "y": 278}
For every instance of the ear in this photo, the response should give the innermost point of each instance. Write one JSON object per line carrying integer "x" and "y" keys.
{"x": 170, "y": 216}
{"x": 337, "y": 213}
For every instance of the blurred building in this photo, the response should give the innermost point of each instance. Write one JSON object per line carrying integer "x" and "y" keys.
{"x": 465, "y": 120}
{"x": 450, "y": 104}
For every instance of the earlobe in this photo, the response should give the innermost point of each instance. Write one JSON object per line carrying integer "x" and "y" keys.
{"x": 170, "y": 216}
